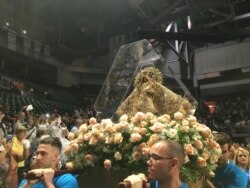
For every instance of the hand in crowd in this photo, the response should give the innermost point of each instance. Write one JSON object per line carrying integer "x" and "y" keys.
{"x": 1, "y": 117}
{"x": 17, "y": 156}
{"x": 8, "y": 146}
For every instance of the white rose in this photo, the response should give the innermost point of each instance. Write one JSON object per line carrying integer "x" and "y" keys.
{"x": 171, "y": 133}
{"x": 135, "y": 137}
{"x": 118, "y": 156}
{"x": 124, "y": 118}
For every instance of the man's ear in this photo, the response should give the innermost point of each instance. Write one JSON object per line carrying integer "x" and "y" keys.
{"x": 57, "y": 157}
{"x": 175, "y": 163}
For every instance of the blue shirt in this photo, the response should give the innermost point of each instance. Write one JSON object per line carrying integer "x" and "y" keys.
{"x": 229, "y": 176}
{"x": 63, "y": 181}
{"x": 248, "y": 176}
{"x": 155, "y": 185}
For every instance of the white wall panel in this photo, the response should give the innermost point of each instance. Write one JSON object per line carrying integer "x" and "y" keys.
{"x": 224, "y": 57}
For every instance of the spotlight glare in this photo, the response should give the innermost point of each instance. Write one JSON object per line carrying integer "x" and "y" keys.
{"x": 189, "y": 22}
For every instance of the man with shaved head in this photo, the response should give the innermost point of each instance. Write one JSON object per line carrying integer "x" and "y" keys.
{"x": 166, "y": 159}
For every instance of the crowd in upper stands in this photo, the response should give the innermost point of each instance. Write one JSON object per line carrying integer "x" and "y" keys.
{"x": 229, "y": 114}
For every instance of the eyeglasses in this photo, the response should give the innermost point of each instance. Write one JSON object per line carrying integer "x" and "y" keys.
{"x": 157, "y": 157}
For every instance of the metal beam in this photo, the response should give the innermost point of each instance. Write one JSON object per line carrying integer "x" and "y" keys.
{"x": 178, "y": 36}
{"x": 213, "y": 38}
{"x": 176, "y": 52}
{"x": 185, "y": 10}
{"x": 236, "y": 18}
{"x": 168, "y": 9}
{"x": 219, "y": 13}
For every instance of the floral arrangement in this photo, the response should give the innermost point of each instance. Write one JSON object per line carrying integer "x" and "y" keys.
{"x": 126, "y": 144}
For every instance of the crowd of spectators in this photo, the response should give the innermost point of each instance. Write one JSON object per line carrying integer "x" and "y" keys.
{"x": 226, "y": 113}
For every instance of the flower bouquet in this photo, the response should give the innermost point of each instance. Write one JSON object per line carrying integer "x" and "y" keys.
{"x": 125, "y": 145}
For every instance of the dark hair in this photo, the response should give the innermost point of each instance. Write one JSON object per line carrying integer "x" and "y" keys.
{"x": 174, "y": 149}
{"x": 40, "y": 133}
{"x": 222, "y": 138}
{"x": 53, "y": 141}
{"x": 20, "y": 128}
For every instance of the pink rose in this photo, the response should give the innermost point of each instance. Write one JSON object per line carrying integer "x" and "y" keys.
{"x": 83, "y": 128}
{"x": 107, "y": 164}
{"x": 135, "y": 137}
{"x": 164, "y": 118}
{"x": 205, "y": 155}
{"x": 89, "y": 157}
{"x": 201, "y": 162}
{"x": 198, "y": 144}
{"x": 71, "y": 136}
{"x": 185, "y": 129}
{"x": 69, "y": 165}
{"x": 124, "y": 118}
{"x": 185, "y": 123}
{"x": 74, "y": 147}
{"x": 149, "y": 116}
{"x": 67, "y": 150}
{"x": 143, "y": 124}
{"x": 153, "y": 139}
{"x": 92, "y": 121}
{"x": 157, "y": 127}
{"x": 87, "y": 136}
{"x": 178, "y": 116}
{"x": 139, "y": 116}
{"x": 191, "y": 118}
{"x": 93, "y": 141}
{"x": 118, "y": 138}
{"x": 80, "y": 138}
{"x": 145, "y": 151}
{"x": 189, "y": 149}
{"x": 136, "y": 156}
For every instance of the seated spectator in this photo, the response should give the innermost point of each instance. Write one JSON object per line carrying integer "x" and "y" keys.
{"x": 8, "y": 166}
{"x": 78, "y": 123}
{"x": 65, "y": 142}
{"x": 42, "y": 122}
{"x": 19, "y": 150}
{"x": 3, "y": 167}
{"x": 3, "y": 131}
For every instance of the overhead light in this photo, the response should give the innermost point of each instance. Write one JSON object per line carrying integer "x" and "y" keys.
{"x": 189, "y": 22}
{"x": 7, "y": 23}
{"x": 24, "y": 31}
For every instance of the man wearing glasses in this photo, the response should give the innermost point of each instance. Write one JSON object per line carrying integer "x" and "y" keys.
{"x": 166, "y": 158}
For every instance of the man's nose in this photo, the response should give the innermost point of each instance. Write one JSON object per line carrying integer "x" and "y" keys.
{"x": 38, "y": 157}
{"x": 149, "y": 162}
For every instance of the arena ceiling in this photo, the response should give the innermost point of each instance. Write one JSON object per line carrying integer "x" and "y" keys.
{"x": 76, "y": 28}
